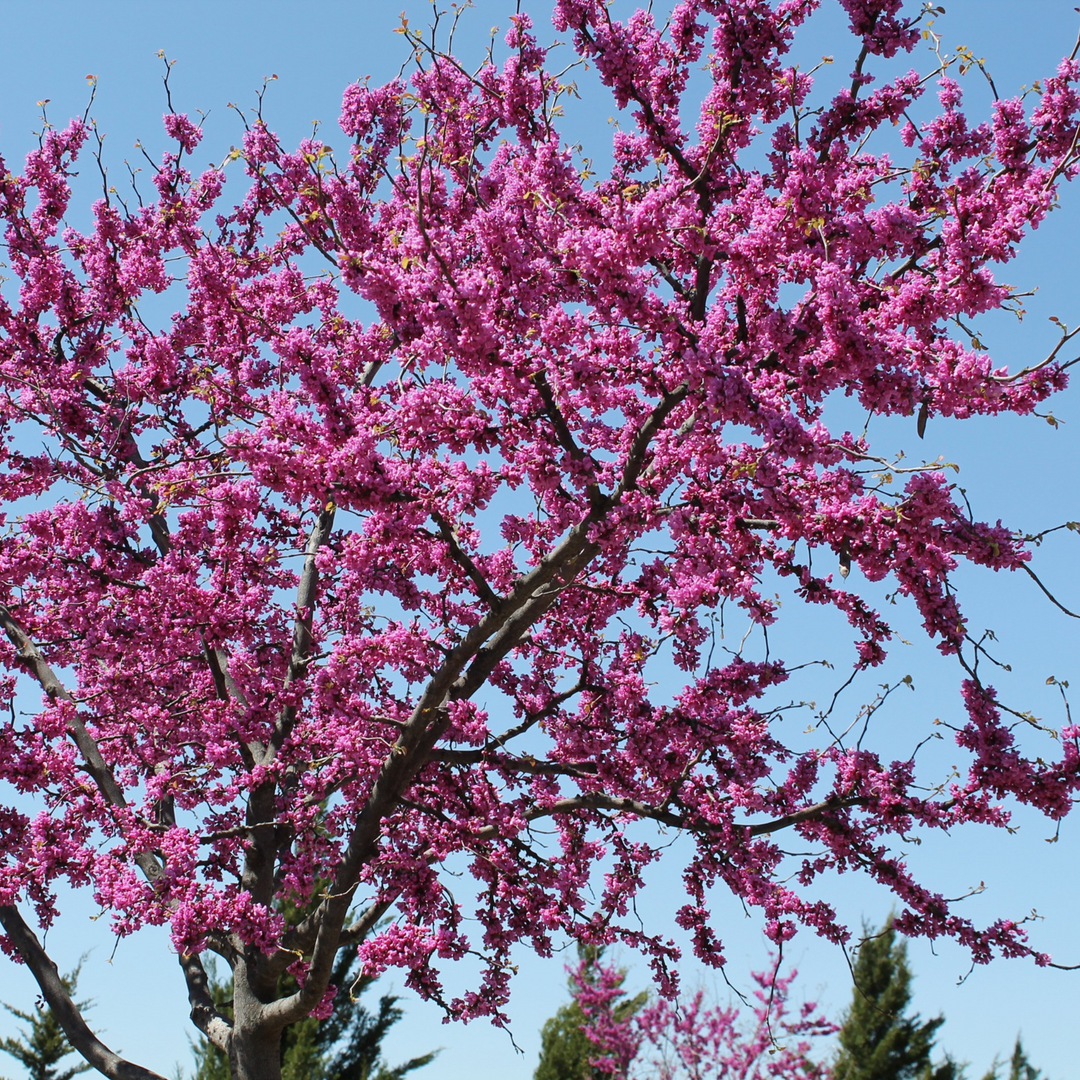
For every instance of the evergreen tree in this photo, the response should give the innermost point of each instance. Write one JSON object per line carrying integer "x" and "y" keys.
{"x": 877, "y": 1040}
{"x": 1019, "y": 1066}
{"x": 43, "y": 1045}
{"x": 565, "y": 1048}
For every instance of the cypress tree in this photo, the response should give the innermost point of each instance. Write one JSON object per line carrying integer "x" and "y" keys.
{"x": 565, "y": 1049}
{"x": 878, "y": 1041}
{"x": 1019, "y": 1066}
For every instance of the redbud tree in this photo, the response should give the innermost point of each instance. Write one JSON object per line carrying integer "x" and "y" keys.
{"x": 357, "y": 570}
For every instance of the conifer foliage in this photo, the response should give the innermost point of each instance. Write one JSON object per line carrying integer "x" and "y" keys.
{"x": 566, "y": 1050}
{"x": 1019, "y": 1067}
{"x": 878, "y": 1039}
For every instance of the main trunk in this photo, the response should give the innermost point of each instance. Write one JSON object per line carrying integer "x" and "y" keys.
{"x": 255, "y": 1055}
{"x": 254, "y": 1047}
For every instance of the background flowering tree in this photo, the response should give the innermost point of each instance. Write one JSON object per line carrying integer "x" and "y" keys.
{"x": 570, "y": 1042}
{"x": 691, "y": 1040}
{"x": 342, "y": 577}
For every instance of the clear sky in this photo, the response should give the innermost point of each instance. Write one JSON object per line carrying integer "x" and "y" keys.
{"x": 1023, "y": 471}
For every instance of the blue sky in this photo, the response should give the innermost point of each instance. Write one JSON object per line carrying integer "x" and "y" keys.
{"x": 1021, "y": 470}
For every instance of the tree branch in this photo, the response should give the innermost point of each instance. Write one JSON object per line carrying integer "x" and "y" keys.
{"x": 461, "y": 557}
{"x": 808, "y": 813}
{"x": 665, "y": 272}
{"x": 96, "y": 765}
{"x": 262, "y": 850}
{"x": 533, "y": 718}
{"x": 356, "y": 931}
{"x": 598, "y": 801}
{"x": 305, "y": 612}
{"x": 225, "y": 687}
{"x": 1066, "y": 335}
{"x": 462, "y": 673}
{"x": 912, "y": 262}
{"x": 64, "y": 1009}
{"x": 1046, "y": 592}
{"x": 204, "y": 1012}
{"x": 564, "y": 434}
{"x": 525, "y": 764}
{"x": 594, "y": 800}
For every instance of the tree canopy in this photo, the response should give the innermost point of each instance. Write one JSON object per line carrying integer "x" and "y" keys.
{"x": 355, "y": 571}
